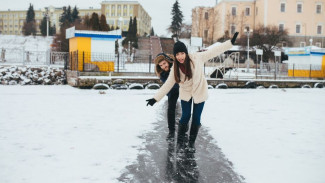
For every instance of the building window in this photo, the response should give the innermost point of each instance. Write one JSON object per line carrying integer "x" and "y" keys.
{"x": 232, "y": 29}
{"x": 319, "y": 29}
{"x": 124, "y": 7}
{"x": 206, "y": 15}
{"x": 318, "y": 9}
{"x": 247, "y": 11}
{"x": 233, "y": 11}
{"x": 281, "y": 27}
{"x": 318, "y": 44}
{"x": 205, "y": 34}
{"x": 302, "y": 44}
{"x": 283, "y": 7}
{"x": 298, "y": 28}
{"x": 107, "y": 7}
{"x": 119, "y": 7}
{"x": 299, "y": 8}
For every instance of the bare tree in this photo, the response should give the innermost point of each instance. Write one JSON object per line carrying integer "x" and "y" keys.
{"x": 266, "y": 38}
{"x": 185, "y": 30}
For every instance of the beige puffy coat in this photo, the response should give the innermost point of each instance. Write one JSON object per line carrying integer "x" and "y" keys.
{"x": 197, "y": 87}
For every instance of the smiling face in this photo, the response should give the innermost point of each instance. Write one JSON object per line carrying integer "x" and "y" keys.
{"x": 180, "y": 57}
{"x": 164, "y": 65}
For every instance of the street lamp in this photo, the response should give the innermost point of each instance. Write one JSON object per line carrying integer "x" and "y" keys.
{"x": 46, "y": 9}
{"x": 248, "y": 31}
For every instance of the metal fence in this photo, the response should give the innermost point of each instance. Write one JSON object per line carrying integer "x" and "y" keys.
{"x": 227, "y": 66}
{"x": 20, "y": 56}
{"x": 94, "y": 62}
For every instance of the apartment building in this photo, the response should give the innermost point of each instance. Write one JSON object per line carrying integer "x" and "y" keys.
{"x": 117, "y": 13}
{"x": 12, "y": 21}
{"x": 304, "y": 19}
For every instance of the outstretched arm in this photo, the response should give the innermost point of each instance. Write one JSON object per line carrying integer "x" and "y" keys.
{"x": 216, "y": 50}
{"x": 165, "y": 88}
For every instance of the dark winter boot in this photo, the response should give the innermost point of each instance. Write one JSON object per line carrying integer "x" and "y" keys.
{"x": 171, "y": 135}
{"x": 193, "y": 134}
{"x": 171, "y": 128}
{"x": 182, "y": 128}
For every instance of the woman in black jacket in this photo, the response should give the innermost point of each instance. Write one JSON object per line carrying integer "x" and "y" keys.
{"x": 163, "y": 63}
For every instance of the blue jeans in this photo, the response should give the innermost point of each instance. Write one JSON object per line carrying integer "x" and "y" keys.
{"x": 186, "y": 112}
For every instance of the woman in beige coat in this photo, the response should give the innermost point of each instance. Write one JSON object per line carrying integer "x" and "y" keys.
{"x": 188, "y": 72}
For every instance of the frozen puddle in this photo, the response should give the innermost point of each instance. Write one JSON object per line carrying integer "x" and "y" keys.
{"x": 158, "y": 161}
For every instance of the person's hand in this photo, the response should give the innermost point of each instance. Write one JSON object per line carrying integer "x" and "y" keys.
{"x": 151, "y": 101}
{"x": 234, "y": 38}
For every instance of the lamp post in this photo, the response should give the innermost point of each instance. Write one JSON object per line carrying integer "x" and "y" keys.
{"x": 46, "y": 9}
{"x": 248, "y": 31}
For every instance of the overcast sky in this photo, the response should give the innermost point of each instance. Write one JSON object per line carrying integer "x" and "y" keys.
{"x": 159, "y": 10}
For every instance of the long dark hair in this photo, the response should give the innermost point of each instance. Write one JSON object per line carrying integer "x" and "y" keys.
{"x": 187, "y": 65}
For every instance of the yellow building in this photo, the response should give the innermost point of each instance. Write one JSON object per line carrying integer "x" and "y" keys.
{"x": 306, "y": 62}
{"x": 304, "y": 19}
{"x": 118, "y": 13}
{"x": 92, "y": 50}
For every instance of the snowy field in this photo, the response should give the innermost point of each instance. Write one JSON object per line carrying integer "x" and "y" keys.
{"x": 67, "y": 135}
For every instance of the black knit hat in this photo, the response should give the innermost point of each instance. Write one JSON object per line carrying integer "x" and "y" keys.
{"x": 179, "y": 47}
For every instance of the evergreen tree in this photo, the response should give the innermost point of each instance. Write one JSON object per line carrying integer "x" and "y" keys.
{"x": 63, "y": 16}
{"x": 134, "y": 27}
{"x": 103, "y": 24}
{"x": 130, "y": 28}
{"x": 177, "y": 19}
{"x": 43, "y": 26}
{"x": 66, "y": 16}
{"x": 129, "y": 34}
{"x": 152, "y": 33}
{"x": 52, "y": 30}
{"x": 75, "y": 15}
{"x": 112, "y": 27}
{"x": 69, "y": 15}
{"x": 94, "y": 22}
{"x": 29, "y": 26}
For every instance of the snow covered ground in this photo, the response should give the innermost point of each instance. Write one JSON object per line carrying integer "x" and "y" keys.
{"x": 63, "y": 134}
{"x": 28, "y": 43}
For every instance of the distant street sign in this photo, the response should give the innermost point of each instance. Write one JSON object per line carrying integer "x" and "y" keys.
{"x": 259, "y": 52}
{"x": 70, "y": 32}
{"x": 196, "y": 41}
{"x": 277, "y": 53}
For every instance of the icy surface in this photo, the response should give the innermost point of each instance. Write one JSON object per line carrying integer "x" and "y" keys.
{"x": 63, "y": 134}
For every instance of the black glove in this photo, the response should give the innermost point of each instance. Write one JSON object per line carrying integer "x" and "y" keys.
{"x": 234, "y": 38}
{"x": 151, "y": 101}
